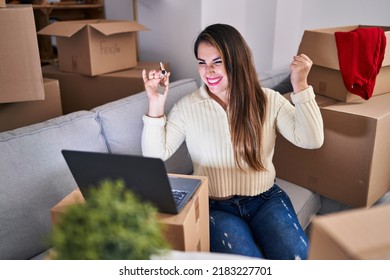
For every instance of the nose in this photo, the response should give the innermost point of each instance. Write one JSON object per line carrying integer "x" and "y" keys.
{"x": 210, "y": 69}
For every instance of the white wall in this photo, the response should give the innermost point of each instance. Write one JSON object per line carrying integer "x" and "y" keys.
{"x": 253, "y": 18}
{"x": 119, "y": 9}
{"x": 173, "y": 26}
{"x": 293, "y": 18}
{"x": 272, "y": 28}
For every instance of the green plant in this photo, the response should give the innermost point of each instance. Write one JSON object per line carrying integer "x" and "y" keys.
{"x": 112, "y": 224}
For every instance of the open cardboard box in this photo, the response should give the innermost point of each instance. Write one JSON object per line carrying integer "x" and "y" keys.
{"x": 325, "y": 76}
{"x": 94, "y": 47}
{"x": 353, "y": 164}
{"x": 358, "y": 234}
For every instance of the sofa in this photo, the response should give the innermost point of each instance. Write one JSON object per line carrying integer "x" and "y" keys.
{"x": 34, "y": 175}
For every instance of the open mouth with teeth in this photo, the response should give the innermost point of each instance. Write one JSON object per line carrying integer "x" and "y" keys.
{"x": 214, "y": 81}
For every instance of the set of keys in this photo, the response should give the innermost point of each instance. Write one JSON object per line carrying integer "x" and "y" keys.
{"x": 163, "y": 71}
{"x": 163, "y": 75}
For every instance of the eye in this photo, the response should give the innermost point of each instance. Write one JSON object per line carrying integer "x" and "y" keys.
{"x": 201, "y": 63}
{"x": 218, "y": 62}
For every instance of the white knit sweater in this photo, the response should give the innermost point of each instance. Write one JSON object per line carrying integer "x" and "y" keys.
{"x": 203, "y": 124}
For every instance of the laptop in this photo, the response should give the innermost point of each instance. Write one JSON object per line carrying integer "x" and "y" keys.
{"x": 144, "y": 176}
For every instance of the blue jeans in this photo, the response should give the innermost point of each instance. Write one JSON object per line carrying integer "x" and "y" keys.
{"x": 263, "y": 226}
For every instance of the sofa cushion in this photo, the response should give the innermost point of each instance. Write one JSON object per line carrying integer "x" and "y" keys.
{"x": 278, "y": 79}
{"x": 122, "y": 124}
{"x": 34, "y": 177}
{"x": 306, "y": 203}
{"x": 385, "y": 199}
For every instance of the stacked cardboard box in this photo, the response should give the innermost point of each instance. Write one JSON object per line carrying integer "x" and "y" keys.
{"x": 352, "y": 167}
{"x": 25, "y": 97}
{"x": 20, "y": 67}
{"x": 97, "y": 62}
{"x": 18, "y": 114}
{"x": 320, "y": 45}
{"x": 82, "y": 92}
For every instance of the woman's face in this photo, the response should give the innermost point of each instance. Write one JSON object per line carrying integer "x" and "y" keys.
{"x": 211, "y": 69}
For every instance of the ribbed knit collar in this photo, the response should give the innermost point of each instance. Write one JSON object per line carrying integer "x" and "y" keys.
{"x": 203, "y": 96}
{"x": 200, "y": 95}
{"x": 203, "y": 92}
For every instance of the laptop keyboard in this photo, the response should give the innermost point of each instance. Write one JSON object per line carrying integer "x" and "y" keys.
{"x": 178, "y": 195}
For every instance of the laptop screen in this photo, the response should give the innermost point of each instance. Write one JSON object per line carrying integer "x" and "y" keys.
{"x": 146, "y": 177}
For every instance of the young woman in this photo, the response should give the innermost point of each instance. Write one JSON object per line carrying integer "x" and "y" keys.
{"x": 229, "y": 125}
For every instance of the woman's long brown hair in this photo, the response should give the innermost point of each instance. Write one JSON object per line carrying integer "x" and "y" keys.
{"x": 247, "y": 101}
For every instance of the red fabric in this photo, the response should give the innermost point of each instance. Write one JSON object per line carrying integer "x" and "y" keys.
{"x": 361, "y": 53}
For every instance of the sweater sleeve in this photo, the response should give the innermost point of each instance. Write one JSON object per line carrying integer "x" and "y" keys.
{"x": 161, "y": 137}
{"x": 301, "y": 124}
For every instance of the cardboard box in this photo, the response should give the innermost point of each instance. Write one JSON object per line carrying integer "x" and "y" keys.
{"x": 80, "y": 92}
{"x": 20, "y": 67}
{"x": 94, "y": 47}
{"x": 353, "y": 164}
{"x": 325, "y": 75}
{"x": 358, "y": 234}
{"x": 186, "y": 231}
{"x": 329, "y": 82}
{"x": 72, "y": 198}
{"x": 14, "y": 115}
{"x": 189, "y": 230}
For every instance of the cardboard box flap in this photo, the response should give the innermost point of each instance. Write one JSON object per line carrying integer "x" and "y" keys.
{"x": 115, "y": 27}
{"x": 374, "y": 108}
{"x": 62, "y": 28}
{"x": 322, "y": 101}
{"x": 106, "y": 27}
{"x": 310, "y": 44}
